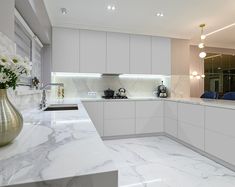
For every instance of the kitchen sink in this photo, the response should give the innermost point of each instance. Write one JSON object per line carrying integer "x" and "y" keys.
{"x": 58, "y": 107}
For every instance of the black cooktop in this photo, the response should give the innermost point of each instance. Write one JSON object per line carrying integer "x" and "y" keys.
{"x": 115, "y": 97}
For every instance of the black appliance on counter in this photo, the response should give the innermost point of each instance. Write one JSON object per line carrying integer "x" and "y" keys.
{"x": 162, "y": 91}
{"x": 110, "y": 94}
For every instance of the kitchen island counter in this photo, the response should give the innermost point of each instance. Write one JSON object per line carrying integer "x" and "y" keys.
{"x": 57, "y": 148}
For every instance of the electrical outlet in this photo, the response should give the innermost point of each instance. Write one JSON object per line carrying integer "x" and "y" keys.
{"x": 91, "y": 93}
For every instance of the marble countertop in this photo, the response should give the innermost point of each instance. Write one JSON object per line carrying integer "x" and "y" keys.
{"x": 54, "y": 145}
{"x": 198, "y": 101}
{"x": 206, "y": 102}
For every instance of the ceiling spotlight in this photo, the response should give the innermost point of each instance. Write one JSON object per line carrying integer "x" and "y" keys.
{"x": 203, "y": 76}
{"x": 64, "y": 11}
{"x": 111, "y": 7}
{"x": 160, "y": 14}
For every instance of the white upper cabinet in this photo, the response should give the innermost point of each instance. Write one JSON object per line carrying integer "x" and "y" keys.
{"x": 140, "y": 54}
{"x": 65, "y": 50}
{"x": 118, "y": 53}
{"x": 161, "y": 56}
{"x": 92, "y": 51}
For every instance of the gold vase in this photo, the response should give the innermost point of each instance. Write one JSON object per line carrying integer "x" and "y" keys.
{"x": 11, "y": 121}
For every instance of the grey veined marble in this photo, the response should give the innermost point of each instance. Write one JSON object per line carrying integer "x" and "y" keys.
{"x": 161, "y": 162}
{"x": 57, "y": 149}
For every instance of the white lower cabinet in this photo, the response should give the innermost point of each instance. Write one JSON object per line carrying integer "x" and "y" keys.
{"x": 191, "y": 124}
{"x": 95, "y": 111}
{"x": 171, "y": 118}
{"x": 149, "y": 116}
{"x": 115, "y": 127}
{"x": 171, "y": 126}
{"x": 119, "y": 118}
{"x": 191, "y": 134}
{"x": 149, "y": 125}
{"x": 219, "y": 135}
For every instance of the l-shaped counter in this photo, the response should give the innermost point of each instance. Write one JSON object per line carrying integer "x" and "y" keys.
{"x": 64, "y": 148}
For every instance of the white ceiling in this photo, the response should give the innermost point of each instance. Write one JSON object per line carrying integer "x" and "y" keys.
{"x": 181, "y": 17}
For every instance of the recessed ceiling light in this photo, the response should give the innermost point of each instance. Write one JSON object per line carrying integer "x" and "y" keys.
{"x": 111, "y": 7}
{"x": 64, "y": 11}
{"x": 159, "y": 14}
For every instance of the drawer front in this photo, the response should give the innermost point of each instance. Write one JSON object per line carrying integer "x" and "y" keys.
{"x": 116, "y": 127}
{"x": 221, "y": 146}
{"x": 119, "y": 110}
{"x": 146, "y": 109}
{"x": 171, "y": 109}
{"x": 192, "y": 135}
{"x": 149, "y": 125}
{"x": 191, "y": 114}
{"x": 171, "y": 126}
{"x": 220, "y": 120}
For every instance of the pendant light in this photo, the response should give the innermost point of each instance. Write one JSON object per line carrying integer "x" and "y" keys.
{"x": 201, "y": 46}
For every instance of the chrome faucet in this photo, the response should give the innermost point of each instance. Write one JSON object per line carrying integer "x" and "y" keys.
{"x": 43, "y": 101}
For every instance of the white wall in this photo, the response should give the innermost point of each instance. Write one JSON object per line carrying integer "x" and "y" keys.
{"x": 180, "y": 83}
{"x": 7, "y": 17}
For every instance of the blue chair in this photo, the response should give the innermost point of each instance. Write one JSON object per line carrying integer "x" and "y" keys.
{"x": 229, "y": 96}
{"x": 210, "y": 95}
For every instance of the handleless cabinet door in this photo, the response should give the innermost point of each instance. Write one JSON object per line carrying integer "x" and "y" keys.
{"x": 140, "y": 54}
{"x": 161, "y": 56}
{"x": 95, "y": 111}
{"x": 118, "y": 53}
{"x": 171, "y": 117}
{"x": 149, "y": 117}
{"x": 92, "y": 51}
{"x": 65, "y": 50}
{"x": 191, "y": 126}
{"x": 119, "y": 118}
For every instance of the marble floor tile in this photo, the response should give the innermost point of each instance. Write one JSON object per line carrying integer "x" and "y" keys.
{"x": 162, "y": 162}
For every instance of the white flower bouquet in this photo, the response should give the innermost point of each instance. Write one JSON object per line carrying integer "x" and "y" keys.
{"x": 11, "y": 68}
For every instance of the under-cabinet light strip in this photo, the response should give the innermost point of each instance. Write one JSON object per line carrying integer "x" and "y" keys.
{"x": 142, "y": 76}
{"x": 60, "y": 74}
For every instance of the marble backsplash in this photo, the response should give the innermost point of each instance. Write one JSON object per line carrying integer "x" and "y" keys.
{"x": 136, "y": 87}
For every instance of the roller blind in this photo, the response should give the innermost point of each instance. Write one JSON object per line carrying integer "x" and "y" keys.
{"x": 23, "y": 41}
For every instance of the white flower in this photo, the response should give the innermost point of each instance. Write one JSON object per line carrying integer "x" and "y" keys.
{"x": 3, "y": 78}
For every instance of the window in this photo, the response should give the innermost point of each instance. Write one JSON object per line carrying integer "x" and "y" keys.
{"x": 28, "y": 45}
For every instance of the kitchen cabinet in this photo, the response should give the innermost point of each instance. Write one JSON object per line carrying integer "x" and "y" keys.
{"x": 119, "y": 118}
{"x": 140, "y": 54}
{"x": 149, "y": 117}
{"x": 219, "y": 135}
{"x": 95, "y": 112}
{"x": 92, "y": 51}
{"x": 65, "y": 50}
{"x": 118, "y": 59}
{"x": 171, "y": 118}
{"x": 191, "y": 124}
{"x": 161, "y": 56}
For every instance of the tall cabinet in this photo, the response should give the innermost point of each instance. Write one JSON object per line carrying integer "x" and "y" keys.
{"x": 118, "y": 53}
{"x": 92, "y": 51}
{"x": 161, "y": 56}
{"x": 140, "y": 54}
{"x": 65, "y": 50}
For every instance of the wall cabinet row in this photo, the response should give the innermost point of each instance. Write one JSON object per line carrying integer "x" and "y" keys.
{"x": 88, "y": 51}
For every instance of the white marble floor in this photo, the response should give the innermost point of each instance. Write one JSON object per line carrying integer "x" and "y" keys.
{"x": 162, "y": 162}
